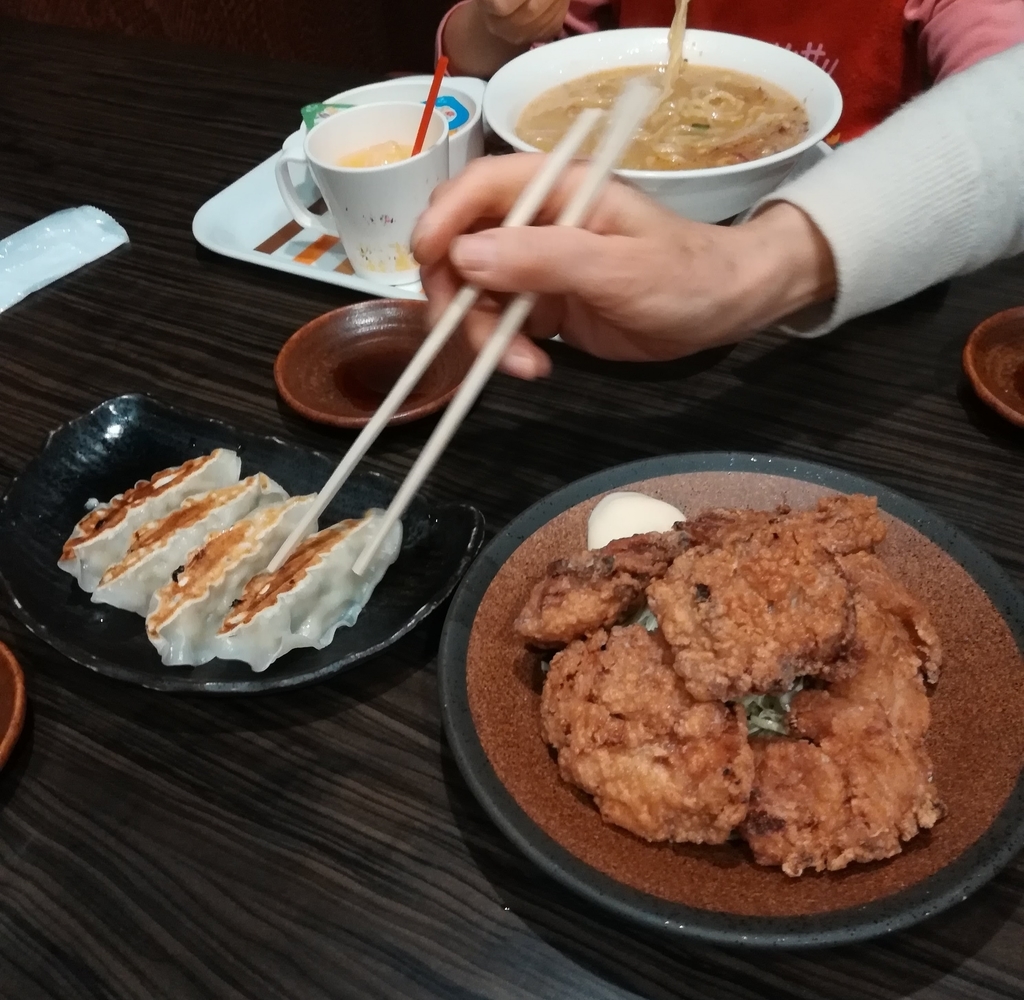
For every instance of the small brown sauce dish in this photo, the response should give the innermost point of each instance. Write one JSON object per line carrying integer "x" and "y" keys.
{"x": 12, "y": 702}
{"x": 338, "y": 368}
{"x": 994, "y": 362}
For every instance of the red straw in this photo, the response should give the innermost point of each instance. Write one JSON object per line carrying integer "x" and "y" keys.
{"x": 435, "y": 86}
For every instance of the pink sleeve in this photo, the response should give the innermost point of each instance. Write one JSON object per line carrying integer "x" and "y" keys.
{"x": 580, "y": 19}
{"x": 582, "y": 16}
{"x": 439, "y": 41}
{"x": 956, "y": 34}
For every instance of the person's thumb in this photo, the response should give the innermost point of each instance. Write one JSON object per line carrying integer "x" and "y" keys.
{"x": 550, "y": 260}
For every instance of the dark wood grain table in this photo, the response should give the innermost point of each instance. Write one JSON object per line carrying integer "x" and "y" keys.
{"x": 321, "y": 843}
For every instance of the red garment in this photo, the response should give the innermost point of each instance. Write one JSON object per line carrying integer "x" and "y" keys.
{"x": 866, "y": 47}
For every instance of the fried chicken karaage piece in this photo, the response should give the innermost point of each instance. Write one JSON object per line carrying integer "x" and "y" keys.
{"x": 889, "y": 671}
{"x": 760, "y": 598}
{"x": 797, "y": 806}
{"x": 595, "y": 590}
{"x": 887, "y": 792}
{"x": 750, "y": 617}
{"x": 869, "y": 577}
{"x": 626, "y": 732}
{"x": 838, "y": 524}
{"x": 888, "y": 775}
{"x": 897, "y": 648}
{"x": 864, "y": 784}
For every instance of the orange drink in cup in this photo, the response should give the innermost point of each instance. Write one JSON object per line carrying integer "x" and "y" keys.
{"x": 374, "y": 189}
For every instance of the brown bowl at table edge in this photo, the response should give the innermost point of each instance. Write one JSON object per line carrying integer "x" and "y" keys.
{"x": 403, "y": 416}
{"x": 9, "y": 663}
{"x": 968, "y": 360}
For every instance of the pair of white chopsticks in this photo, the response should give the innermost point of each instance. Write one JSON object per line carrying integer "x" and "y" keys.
{"x": 630, "y": 111}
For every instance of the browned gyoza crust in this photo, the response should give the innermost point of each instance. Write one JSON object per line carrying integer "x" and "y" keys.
{"x": 106, "y": 517}
{"x": 264, "y": 589}
{"x": 206, "y": 565}
{"x": 151, "y": 536}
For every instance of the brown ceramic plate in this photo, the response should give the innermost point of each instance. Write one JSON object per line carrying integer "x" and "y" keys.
{"x": 490, "y": 702}
{"x": 994, "y": 362}
{"x": 338, "y": 368}
{"x": 12, "y": 702}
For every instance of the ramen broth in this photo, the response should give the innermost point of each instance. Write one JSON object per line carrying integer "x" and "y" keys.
{"x": 712, "y": 117}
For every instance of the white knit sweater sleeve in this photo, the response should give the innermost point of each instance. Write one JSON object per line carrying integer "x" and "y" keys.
{"x": 935, "y": 191}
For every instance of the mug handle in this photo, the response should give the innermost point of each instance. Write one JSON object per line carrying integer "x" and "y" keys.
{"x": 302, "y": 215}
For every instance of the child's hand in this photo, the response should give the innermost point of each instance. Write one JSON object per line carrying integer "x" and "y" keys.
{"x": 480, "y": 37}
{"x": 523, "y": 22}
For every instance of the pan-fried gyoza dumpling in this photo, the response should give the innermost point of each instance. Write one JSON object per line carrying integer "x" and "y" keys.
{"x": 185, "y": 614}
{"x": 160, "y": 547}
{"x": 102, "y": 537}
{"x": 313, "y": 594}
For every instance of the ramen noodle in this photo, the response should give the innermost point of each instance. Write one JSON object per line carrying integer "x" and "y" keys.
{"x": 676, "y": 34}
{"x": 711, "y": 117}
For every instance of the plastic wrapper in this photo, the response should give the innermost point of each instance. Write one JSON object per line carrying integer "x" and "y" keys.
{"x": 456, "y": 112}
{"x": 313, "y": 114}
{"x": 55, "y": 246}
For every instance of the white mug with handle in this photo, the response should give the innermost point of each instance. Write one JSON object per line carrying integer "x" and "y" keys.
{"x": 372, "y": 210}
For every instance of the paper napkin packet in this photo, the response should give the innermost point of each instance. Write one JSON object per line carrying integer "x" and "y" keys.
{"x": 55, "y": 246}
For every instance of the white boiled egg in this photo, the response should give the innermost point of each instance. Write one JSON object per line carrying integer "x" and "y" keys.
{"x": 621, "y": 515}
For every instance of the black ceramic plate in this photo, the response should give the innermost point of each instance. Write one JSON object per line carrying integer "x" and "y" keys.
{"x": 130, "y": 438}
{"x": 951, "y": 884}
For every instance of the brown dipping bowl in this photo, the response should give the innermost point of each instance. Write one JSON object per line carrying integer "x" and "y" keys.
{"x": 490, "y": 688}
{"x": 338, "y": 368}
{"x": 12, "y": 702}
{"x": 994, "y": 362}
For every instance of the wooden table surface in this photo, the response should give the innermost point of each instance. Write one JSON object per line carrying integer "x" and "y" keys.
{"x": 321, "y": 843}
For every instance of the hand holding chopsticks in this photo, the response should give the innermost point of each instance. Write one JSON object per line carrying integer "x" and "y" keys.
{"x": 628, "y": 113}
{"x": 522, "y": 213}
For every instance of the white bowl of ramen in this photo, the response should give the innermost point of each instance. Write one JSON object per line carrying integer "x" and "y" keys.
{"x": 703, "y": 193}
